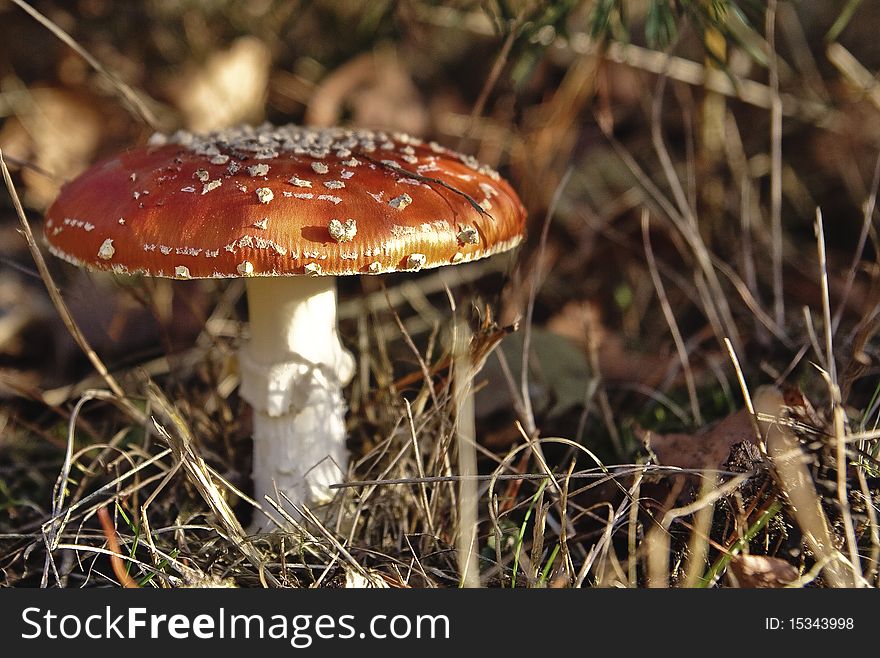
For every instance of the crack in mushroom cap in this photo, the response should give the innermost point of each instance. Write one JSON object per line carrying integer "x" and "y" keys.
{"x": 169, "y": 229}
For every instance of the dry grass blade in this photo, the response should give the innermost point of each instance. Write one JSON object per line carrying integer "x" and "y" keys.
{"x": 670, "y": 320}
{"x": 337, "y": 545}
{"x": 417, "y": 454}
{"x": 528, "y": 418}
{"x": 867, "y": 223}
{"x": 873, "y": 559}
{"x": 680, "y": 69}
{"x": 759, "y": 434}
{"x": 492, "y": 79}
{"x": 607, "y": 444}
{"x": 53, "y": 528}
{"x": 698, "y": 548}
{"x": 426, "y": 371}
{"x": 685, "y": 220}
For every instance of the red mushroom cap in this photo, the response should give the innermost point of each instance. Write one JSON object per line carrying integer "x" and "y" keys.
{"x": 279, "y": 201}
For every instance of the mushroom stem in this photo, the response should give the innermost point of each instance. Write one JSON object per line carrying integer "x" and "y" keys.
{"x": 293, "y": 370}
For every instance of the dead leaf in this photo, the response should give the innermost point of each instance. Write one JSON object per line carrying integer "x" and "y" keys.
{"x": 558, "y": 381}
{"x": 760, "y": 571}
{"x": 707, "y": 450}
{"x": 229, "y": 88}
{"x": 581, "y": 322}
{"x": 19, "y": 307}
{"x": 57, "y": 130}
{"x": 377, "y": 90}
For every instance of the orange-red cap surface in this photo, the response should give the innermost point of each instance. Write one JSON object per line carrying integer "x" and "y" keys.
{"x": 278, "y": 201}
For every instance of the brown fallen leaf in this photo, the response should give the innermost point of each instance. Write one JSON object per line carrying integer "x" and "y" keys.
{"x": 706, "y": 450}
{"x": 230, "y": 87}
{"x": 20, "y": 308}
{"x": 376, "y": 88}
{"x": 57, "y": 130}
{"x": 760, "y": 571}
{"x": 581, "y": 322}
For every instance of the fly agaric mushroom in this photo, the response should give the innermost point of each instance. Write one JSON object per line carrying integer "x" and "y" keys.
{"x": 289, "y": 209}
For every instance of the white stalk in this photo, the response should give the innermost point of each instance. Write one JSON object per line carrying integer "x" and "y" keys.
{"x": 293, "y": 370}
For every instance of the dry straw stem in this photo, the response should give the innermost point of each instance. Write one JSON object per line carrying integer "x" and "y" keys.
{"x": 831, "y": 366}
{"x": 838, "y": 418}
{"x": 53, "y": 527}
{"x": 759, "y": 434}
{"x": 633, "y": 527}
{"x": 528, "y": 419}
{"x": 599, "y": 550}
{"x": 600, "y": 547}
{"x": 658, "y": 540}
{"x": 778, "y": 443}
{"x": 853, "y": 70}
{"x": 708, "y": 287}
{"x": 492, "y": 79}
{"x": 793, "y": 476}
{"x": 337, "y": 545}
{"x": 867, "y": 217}
{"x": 465, "y": 430}
{"x": 874, "y": 530}
{"x": 775, "y": 166}
{"x": 417, "y": 454}
{"x": 698, "y": 546}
